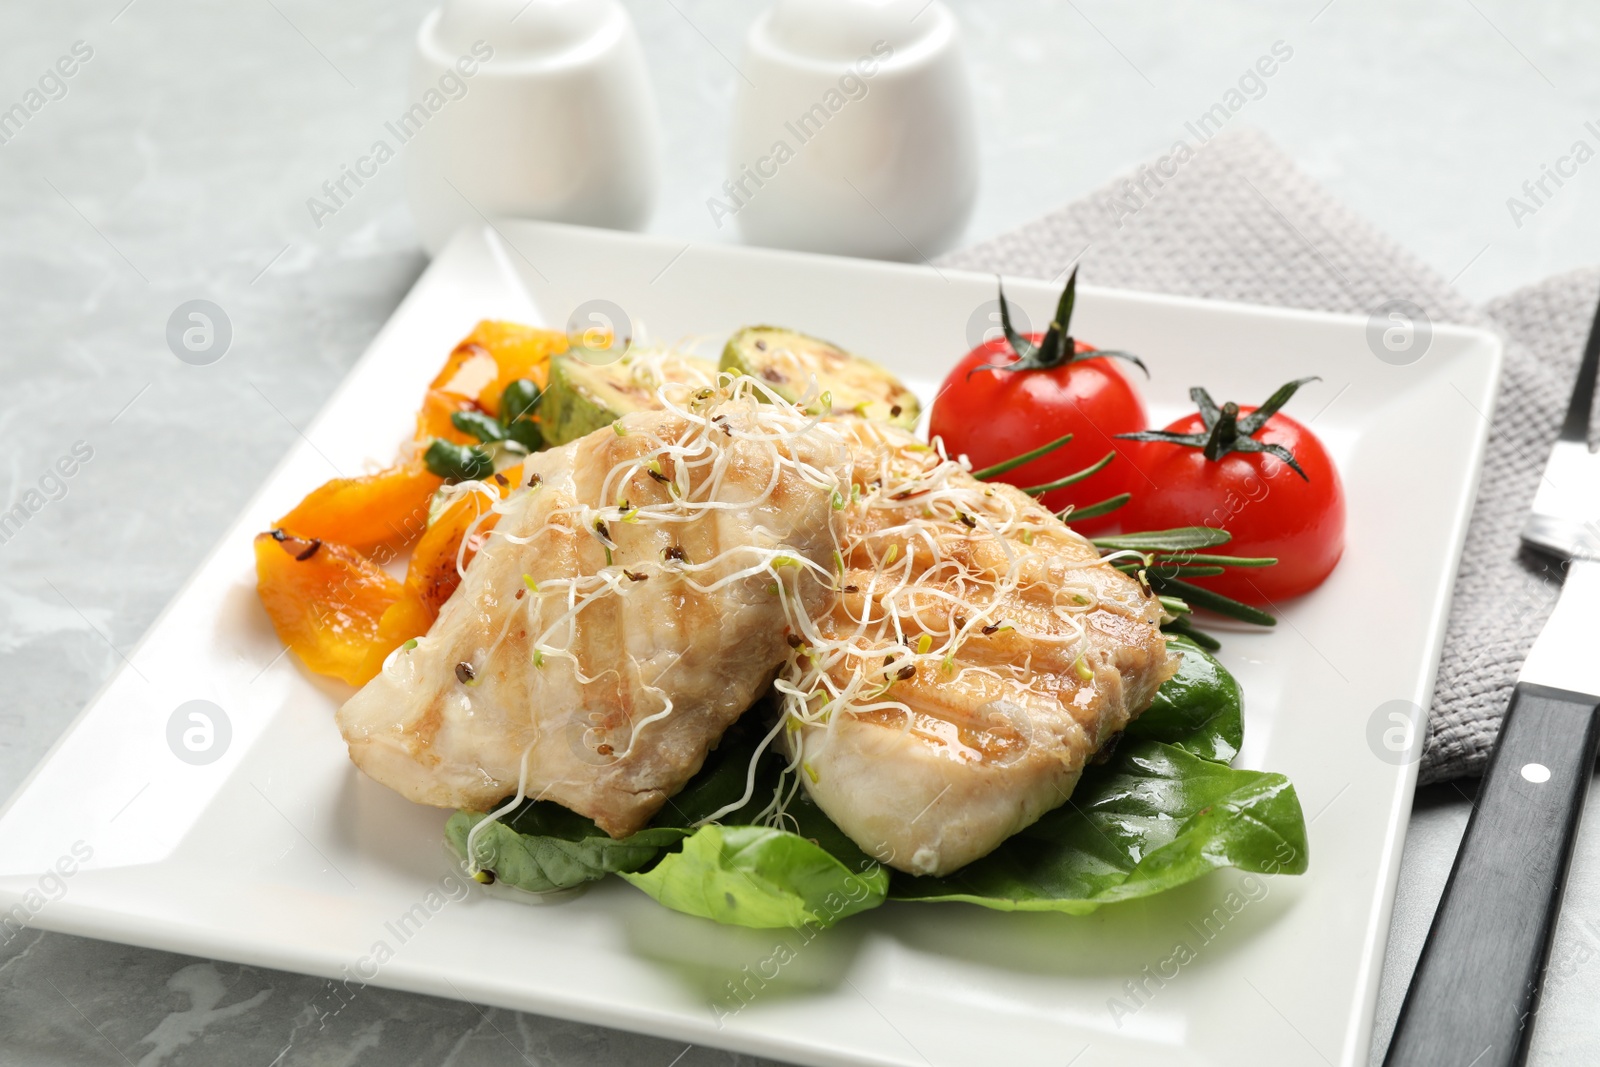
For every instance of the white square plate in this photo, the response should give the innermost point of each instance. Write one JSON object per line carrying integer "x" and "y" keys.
{"x": 280, "y": 854}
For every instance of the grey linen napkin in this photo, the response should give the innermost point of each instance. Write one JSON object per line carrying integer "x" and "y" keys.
{"x": 1238, "y": 221}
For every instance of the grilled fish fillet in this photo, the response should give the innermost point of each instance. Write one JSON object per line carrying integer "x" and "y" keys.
{"x": 980, "y": 654}
{"x": 625, "y": 610}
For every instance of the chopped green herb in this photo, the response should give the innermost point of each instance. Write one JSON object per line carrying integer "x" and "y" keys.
{"x": 527, "y": 434}
{"x": 518, "y": 400}
{"x": 479, "y": 425}
{"x": 457, "y": 462}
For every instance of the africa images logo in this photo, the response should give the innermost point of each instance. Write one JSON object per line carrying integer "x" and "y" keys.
{"x": 452, "y": 86}
{"x": 851, "y": 86}
{"x": 52, "y": 86}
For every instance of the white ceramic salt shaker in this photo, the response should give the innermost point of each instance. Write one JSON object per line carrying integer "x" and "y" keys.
{"x": 538, "y": 109}
{"x": 856, "y": 134}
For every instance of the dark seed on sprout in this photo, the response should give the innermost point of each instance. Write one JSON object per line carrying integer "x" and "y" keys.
{"x": 632, "y": 577}
{"x": 604, "y": 750}
{"x": 961, "y": 622}
{"x": 483, "y": 877}
{"x": 464, "y": 672}
{"x": 500, "y": 479}
{"x": 674, "y": 552}
{"x": 894, "y": 412}
{"x": 907, "y": 672}
{"x": 794, "y": 640}
{"x": 310, "y": 550}
{"x": 520, "y": 592}
{"x": 991, "y": 628}
{"x": 852, "y": 589}
{"x": 534, "y": 479}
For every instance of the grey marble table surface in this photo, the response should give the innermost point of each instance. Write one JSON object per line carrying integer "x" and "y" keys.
{"x": 175, "y": 163}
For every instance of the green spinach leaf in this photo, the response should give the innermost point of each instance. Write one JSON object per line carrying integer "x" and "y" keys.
{"x": 1152, "y": 818}
{"x": 1200, "y": 709}
{"x": 543, "y": 847}
{"x": 760, "y": 877}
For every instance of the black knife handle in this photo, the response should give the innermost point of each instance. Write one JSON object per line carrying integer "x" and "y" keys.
{"x": 1476, "y": 986}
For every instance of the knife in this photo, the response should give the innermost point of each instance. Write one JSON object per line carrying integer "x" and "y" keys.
{"x": 1472, "y": 998}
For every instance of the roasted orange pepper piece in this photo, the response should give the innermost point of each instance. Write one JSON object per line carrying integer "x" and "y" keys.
{"x": 339, "y": 611}
{"x": 516, "y": 351}
{"x": 406, "y": 618}
{"x": 433, "y": 575}
{"x": 433, "y": 420}
{"x": 469, "y": 370}
{"x": 389, "y": 509}
{"x": 384, "y": 510}
{"x": 326, "y": 602}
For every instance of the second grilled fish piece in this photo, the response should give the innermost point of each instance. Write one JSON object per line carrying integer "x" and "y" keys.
{"x": 980, "y": 654}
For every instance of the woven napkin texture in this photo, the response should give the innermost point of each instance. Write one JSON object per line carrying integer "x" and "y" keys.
{"x": 1236, "y": 220}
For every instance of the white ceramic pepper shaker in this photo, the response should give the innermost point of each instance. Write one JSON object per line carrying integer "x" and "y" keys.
{"x": 856, "y": 134}
{"x": 529, "y": 108}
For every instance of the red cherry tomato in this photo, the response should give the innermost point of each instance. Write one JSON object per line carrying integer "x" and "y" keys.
{"x": 994, "y": 415}
{"x": 1268, "y": 508}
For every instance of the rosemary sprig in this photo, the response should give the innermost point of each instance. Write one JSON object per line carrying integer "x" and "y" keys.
{"x": 1199, "y": 637}
{"x": 1170, "y": 558}
{"x": 1169, "y": 569}
{"x": 1174, "y": 606}
{"x": 1195, "y": 596}
{"x": 1229, "y": 561}
{"x": 1016, "y": 461}
{"x": 1094, "y": 511}
{"x": 1074, "y": 478}
{"x": 1182, "y": 539}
